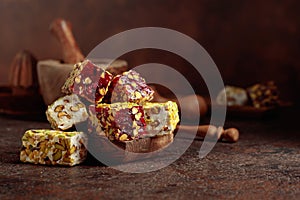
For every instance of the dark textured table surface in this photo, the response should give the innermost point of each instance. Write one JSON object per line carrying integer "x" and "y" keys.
{"x": 264, "y": 163}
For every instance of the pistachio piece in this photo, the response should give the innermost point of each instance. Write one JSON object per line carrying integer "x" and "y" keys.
{"x": 138, "y": 116}
{"x": 42, "y": 138}
{"x": 62, "y": 142}
{"x": 35, "y": 153}
{"x": 77, "y": 79}
{"x": 31, "y": 156}
{"x": 72, "y": 150}
{"x": 102, "y": 75}
{"x": 59, "y": 108}
{"x": 42, "y": 145}
{"x": 80, "y": 105}
{"x": 55, "y": 150}
{"x": 155, "y": 123}
{"x": 67, "y": 143}
{"x": 63, "y": 114}
{"x": 31, "y": 140}
{"x": 57, "y": 155}
{"x": 87, "y": 80}
{"x": 123, "y": 137}
{"x": 134, "y": 84}
{"x": 134, "y": 110}
{"x": 102, "y": 91}
{"x": 67, "y": 160}
{"x": 135, "y": 132}
{"x": 59, "y": 146}
{"x": 130, "y": 76}
{"x": 155, "y": 110}
{"x": 74, "y": 108}
{"x": 111, "y": 117}
{"x": 137, "y": 95}
{"x": 28, "y": 152}
{"x": 23, "y": 156}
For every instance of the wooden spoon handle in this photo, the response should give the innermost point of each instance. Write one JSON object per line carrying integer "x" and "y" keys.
{"x": 62, "y": 30}
{"x": 229, "y": 135}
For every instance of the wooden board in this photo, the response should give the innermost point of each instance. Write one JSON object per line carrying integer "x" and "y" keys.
{"x": 146, "y": 145}
{"x": 130, "y": 151}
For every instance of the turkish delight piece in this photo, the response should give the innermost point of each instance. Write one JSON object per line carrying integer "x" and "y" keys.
{"x": 115, "y": 67}
{"x": 88, "y": 80}
{"x": 94, "y": 126}
{"x": 65, "y": 112}
{"x": 264, "y": 94}
{"x": 129, "y": 87}
{"x": 127, "y": 121}
{"x": 232, "y": 96}
{"x": 53, "y": 147}
{"x": 161, "y": 118}
{"x": 121, "y": 121}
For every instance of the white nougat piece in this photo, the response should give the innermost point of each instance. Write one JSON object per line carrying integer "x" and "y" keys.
{"x": 52, "y": 147}
{"x": 161, "y": 118}
{"x": 66, "y": 112}
{"x": 232, "y": 96}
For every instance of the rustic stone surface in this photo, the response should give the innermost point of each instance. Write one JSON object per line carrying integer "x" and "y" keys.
{"x": 264, "y": 163}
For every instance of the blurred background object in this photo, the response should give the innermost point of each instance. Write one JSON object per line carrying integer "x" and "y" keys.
{"x": 23, "y": 74}
{"x": 21, "y": 97}
{"x": 250, "y": 41}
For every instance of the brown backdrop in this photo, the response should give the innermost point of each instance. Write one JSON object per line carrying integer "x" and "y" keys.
{"x": 250, "y": 41}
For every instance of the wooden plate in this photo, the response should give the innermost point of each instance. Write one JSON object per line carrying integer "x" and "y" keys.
{"x": 253, "y": 112}
{"x": 248, "y": 111}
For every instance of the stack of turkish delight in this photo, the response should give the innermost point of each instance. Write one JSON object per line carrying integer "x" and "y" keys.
{"x": 115, "y": 106}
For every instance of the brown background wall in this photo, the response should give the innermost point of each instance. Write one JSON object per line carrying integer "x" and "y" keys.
{"x": 250, "y": 41}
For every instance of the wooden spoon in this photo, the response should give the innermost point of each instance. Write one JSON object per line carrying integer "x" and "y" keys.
{"x": 228, "y": 135}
